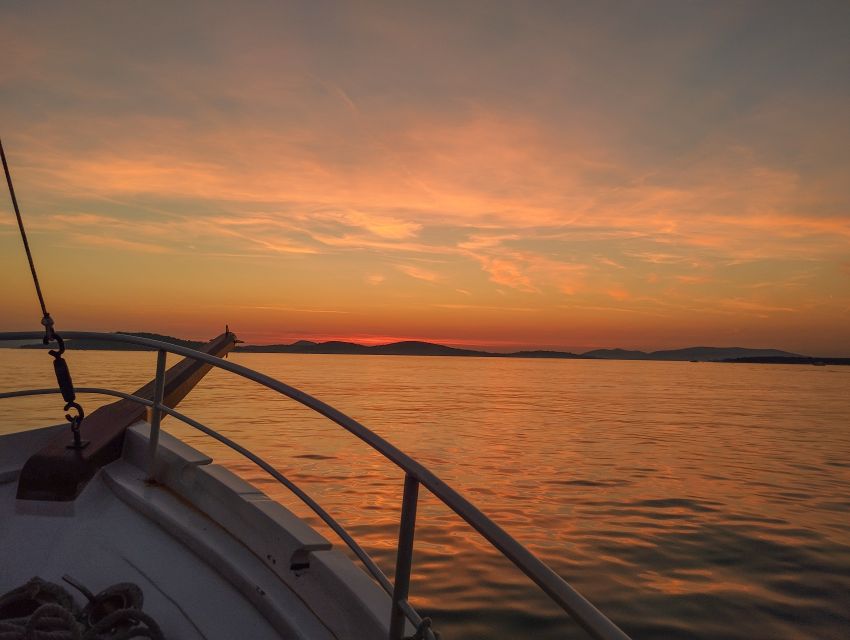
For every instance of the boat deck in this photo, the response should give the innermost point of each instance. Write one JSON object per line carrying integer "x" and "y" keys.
{"x": 215, "y": 558}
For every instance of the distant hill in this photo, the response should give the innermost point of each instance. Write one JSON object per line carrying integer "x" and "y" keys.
{"x": 789, "y": 360}
{"x": 17, "y": 344}
{"x": 420, "y": 348}
{"x": 617, "y": 354}
{"x": 717, "y": 353}
{"x": 544, "y": 354}
{"x": 405, "y": 348}
{"x": 707, "y": 354}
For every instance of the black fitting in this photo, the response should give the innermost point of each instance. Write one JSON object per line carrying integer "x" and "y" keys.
{"x": 59, "y": 341}
{"x": 63, "y": 377}
{"x": 49, "y": 333}
{"x": 75, "y": 421}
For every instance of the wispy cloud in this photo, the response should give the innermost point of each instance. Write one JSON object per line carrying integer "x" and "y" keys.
{"x": 296, "y": 310}
{"x": 418, "y": 273}
{"x": 755, "y": 307}
{"x": 486, "y": 307}
{"x": 91, "y": 240}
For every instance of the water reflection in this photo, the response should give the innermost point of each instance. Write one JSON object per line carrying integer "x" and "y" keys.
{"x": 685, "y": 501}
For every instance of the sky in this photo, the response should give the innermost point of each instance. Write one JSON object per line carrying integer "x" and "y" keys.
{"x": 571, "y": 175}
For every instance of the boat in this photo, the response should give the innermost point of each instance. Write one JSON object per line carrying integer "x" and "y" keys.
{"x": 117, "y": 511}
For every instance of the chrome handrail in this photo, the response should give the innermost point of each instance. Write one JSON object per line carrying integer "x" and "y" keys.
{"x": 328, "y": 519}
{"x": 558, "y": 590}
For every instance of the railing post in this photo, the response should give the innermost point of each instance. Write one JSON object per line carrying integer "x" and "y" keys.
{"x": 156, "y": 411}
{"x": 404, "y": 557}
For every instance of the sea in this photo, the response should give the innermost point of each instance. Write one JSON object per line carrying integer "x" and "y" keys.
{"x": 685, "y": 500}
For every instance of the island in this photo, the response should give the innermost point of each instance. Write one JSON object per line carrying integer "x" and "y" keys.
{"x": 422, "y": 348}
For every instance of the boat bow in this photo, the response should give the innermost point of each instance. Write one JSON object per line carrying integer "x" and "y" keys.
{"x": 59, "y": 473}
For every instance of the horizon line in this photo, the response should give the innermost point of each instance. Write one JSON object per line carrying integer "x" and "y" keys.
{"x": 502, "y": 347}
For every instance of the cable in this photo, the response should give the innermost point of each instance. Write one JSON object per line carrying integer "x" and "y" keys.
{"x": 63, "y": 375}
{"x": 44, "y": 313}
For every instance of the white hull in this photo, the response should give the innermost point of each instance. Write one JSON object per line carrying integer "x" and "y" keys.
{"x": 215, "y": 557}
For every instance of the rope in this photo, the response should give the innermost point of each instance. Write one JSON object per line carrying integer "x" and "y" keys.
{"x": 41, "y": 610}
{"x": 52, "y": 622}
{"x": 110, "y": 627}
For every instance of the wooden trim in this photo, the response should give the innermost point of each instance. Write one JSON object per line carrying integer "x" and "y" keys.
{"x": 58, "y": 473}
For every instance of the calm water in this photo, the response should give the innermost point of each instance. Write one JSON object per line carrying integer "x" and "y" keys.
{"x": 685, "y": 500}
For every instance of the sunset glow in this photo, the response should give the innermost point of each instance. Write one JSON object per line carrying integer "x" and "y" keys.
{"x": 642, "y": 175}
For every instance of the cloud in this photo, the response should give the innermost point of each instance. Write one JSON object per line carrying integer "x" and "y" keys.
{"x": 383, "y": 226}
{"x": 485, "y": 307}
{"x": 297, "y": 310}
{"x": 507, "y": 272}
{"x": 635, "y": 164}
{"x": 755, "y": 307}
{"x": 418, "y": 273}
{"x": 693, "y": 279}
{"x": 92, "y": 240}
{"x": 618, "y": 293}
{"x": 486, "y": 170}
{"x": 169, "y": 235}
{"x": 608, "y": 262}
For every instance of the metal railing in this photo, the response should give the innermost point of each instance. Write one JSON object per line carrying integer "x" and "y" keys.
{"x": 558, "y": 590}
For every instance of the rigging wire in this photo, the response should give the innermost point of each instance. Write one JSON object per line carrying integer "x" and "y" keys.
{"x": 60, "y": 367}
{"x": 47, "y": 321}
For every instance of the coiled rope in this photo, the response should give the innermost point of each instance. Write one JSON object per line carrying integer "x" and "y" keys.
{"x": 41, "y": 610}
{"x": 54, "y": 622}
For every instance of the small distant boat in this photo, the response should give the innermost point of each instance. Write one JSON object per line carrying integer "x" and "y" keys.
{"x": 162, "y": 541}
{"x": 819, "y": 363}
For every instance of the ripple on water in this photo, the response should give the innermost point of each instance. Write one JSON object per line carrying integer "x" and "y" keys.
{"x": 706, "y": 502}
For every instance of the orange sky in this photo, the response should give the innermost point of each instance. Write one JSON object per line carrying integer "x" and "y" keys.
{"x": 641, "y": 175}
